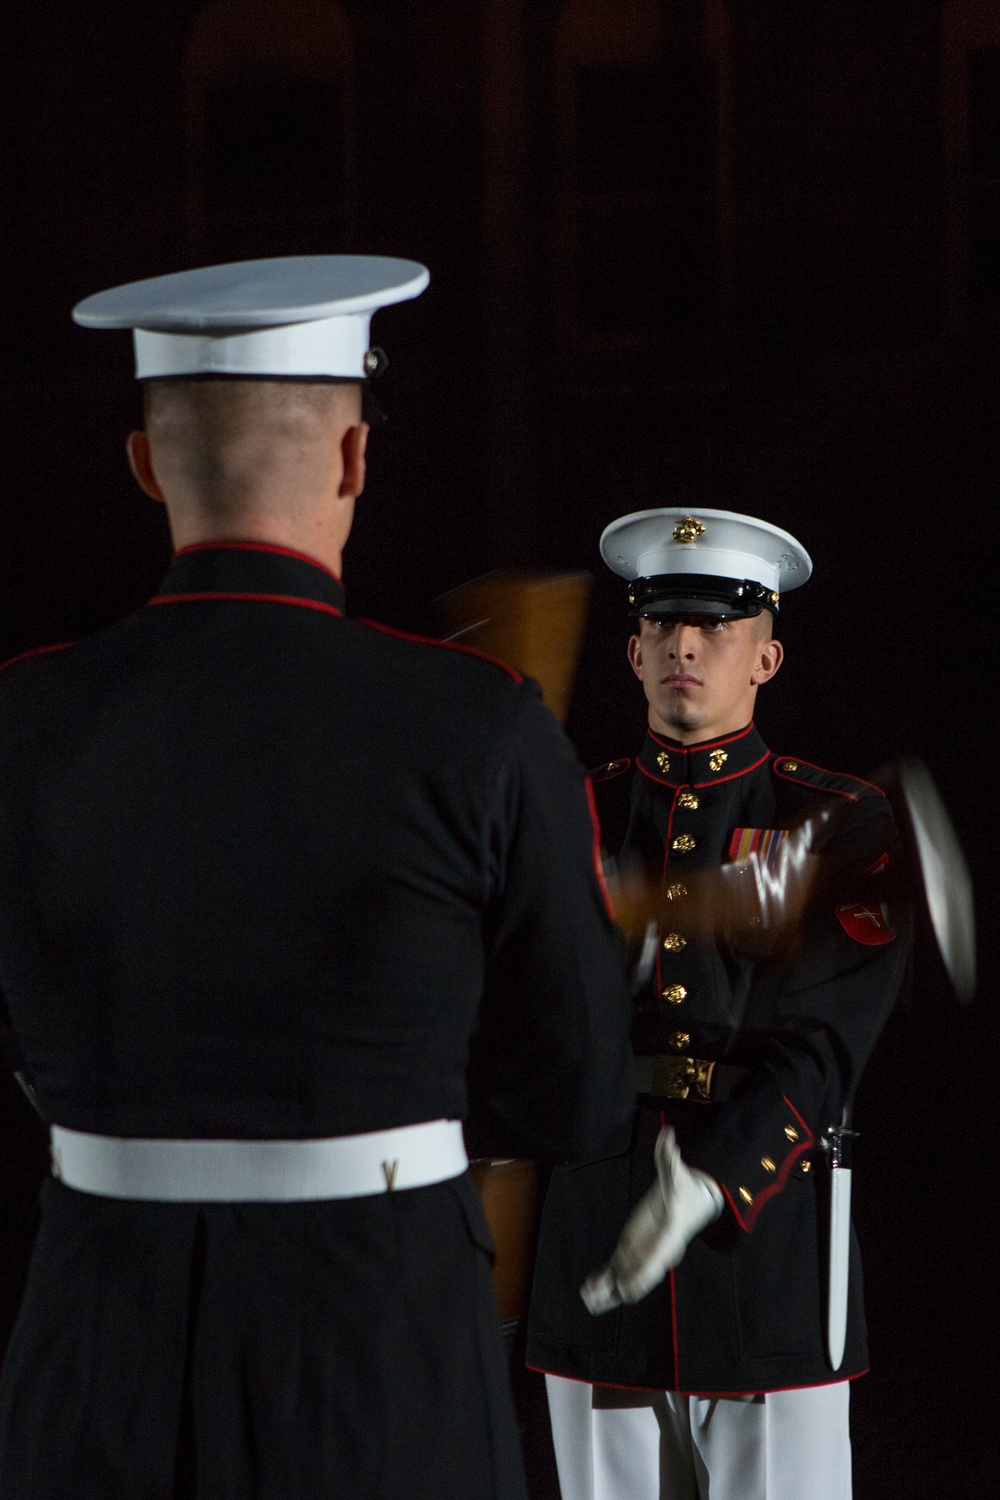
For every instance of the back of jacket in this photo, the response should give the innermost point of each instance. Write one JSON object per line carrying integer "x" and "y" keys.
{"x": 262, "y": 867}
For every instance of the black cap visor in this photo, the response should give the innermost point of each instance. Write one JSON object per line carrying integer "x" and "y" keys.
{"x": 700, "y": 594}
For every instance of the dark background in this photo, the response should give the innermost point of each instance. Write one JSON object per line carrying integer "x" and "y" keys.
{"x": 742, "y": 253}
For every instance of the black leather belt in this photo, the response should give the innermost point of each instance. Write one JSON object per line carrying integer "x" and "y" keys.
{"x": 667, "y": 1076}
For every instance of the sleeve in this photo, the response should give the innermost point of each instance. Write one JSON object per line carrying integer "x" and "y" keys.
{"x": 552, "y": 1072}
{"x": 828, "y": 1003}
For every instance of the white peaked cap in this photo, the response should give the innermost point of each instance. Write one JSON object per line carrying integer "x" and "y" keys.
{"x": 297, "y": 316}
{"x": 711, "y": 544}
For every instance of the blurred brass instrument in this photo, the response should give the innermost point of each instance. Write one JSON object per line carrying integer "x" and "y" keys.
{"x": 534, "y": 622}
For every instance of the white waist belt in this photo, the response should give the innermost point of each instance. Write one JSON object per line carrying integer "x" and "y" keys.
{"x": 346, "y": 1166}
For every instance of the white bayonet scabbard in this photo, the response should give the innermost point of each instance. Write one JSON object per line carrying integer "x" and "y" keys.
{"x": 839, "y": 1267}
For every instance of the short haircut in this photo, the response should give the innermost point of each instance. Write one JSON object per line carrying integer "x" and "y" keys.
{"x": 228, "y": 441}
{"x": 216, "y": 405}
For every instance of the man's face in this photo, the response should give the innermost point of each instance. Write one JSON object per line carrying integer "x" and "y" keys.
{"x": 700, "y": 674}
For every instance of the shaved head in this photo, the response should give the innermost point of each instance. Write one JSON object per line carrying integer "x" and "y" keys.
{"x": 229, "y": 444}
{"x": 272, "y": 460}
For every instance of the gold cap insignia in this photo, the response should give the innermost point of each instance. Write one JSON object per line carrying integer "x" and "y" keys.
{"x": 688, "y": 530}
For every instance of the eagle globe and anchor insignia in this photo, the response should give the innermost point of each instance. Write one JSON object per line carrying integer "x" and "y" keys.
{"x": 688, "y": 530}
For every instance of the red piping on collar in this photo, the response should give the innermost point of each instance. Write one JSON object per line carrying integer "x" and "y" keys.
{"x": 211, "y": 596}
{"x": 258, "y": 547}
{"x": 35, "y": 651}
{"x": 716, "y": 780}
{"x": 428, "y": 640}
{"x": 702, "y": 744}
{"x": 797, "y": 780}
{"x": 780, "y": 1182}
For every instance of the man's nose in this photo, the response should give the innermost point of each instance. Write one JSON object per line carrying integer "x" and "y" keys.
{"x": 682, "y": 647}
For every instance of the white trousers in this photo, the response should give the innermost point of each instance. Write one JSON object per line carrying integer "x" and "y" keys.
{"x": 615, "y": 1444}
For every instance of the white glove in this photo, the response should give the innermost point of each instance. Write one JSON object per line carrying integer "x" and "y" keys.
{"x": 657, "y": 1232}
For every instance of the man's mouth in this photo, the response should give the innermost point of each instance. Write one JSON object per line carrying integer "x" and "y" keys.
{"x": 681, "y": 679}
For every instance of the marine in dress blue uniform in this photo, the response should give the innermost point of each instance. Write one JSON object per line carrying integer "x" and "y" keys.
{"x": 268, "y": 877}
{"x": 750, "y": 1058}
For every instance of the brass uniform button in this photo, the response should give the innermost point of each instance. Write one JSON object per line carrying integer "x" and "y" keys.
{"x": 674, "y": 993}
{"x": 673, "y": 942}
{"x": 683, "y": 843}
{"x": 746, "y": 1195}
{"x": 679, "y": 1040}
{"x": 663, "y": 761}
{"x": 677, "y": 891}
{"x": 806, "y": 1165}
{"x": 718, "y": 759}
{"x": 791, "y": 1132}
{"x": 689, "y": 800}
{"x": 768, "y": 1164}
{"x": 790, "y": 765}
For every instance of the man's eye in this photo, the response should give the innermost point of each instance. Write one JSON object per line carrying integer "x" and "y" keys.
{"x": 714, "y": 626}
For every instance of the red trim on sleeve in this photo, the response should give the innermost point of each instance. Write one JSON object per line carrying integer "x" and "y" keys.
{"x": 210, "y": 596}
{"x": 35, "y": 651}
{"x": 596, "y": 847}
{"x": 258, "y": 547}
{"x": 429, "y": 640}
{"x": 746, "y": 1223}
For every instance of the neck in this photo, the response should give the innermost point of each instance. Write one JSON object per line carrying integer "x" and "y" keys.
{"x": 701, "y": 734}
{"x": 314, "y": 537}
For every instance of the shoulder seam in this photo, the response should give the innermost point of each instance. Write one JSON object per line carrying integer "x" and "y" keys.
{"x": 429, "y": 640}
{"x": 858, "y": 781}
{"x": 610, "y": 770}
{"x": 36, "y": 651}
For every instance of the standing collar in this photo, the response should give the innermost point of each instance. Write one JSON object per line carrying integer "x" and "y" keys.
{"x": 705, "y": 764}
{"x": 250, "y": 572}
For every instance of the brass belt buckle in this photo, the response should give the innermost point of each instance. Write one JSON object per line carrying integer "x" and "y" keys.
{"x": 688, "y": 1078}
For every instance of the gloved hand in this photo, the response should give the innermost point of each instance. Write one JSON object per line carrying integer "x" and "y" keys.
{"x": 659, "y": 1229}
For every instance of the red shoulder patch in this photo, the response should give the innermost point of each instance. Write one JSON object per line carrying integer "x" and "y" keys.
{"x": 866, "y": 922}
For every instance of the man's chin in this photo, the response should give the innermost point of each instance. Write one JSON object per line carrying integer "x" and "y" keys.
{"x": 678, "y": 729}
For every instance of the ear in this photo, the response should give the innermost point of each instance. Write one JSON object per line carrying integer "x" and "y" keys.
{"x": 769, "y": 659}
{"x": 353, "y": 446}
{"x": 140, "y": 461}
{"x": 635, "y": 655}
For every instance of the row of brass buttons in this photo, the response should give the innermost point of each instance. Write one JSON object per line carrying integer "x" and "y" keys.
{"x": 675, "y": 994}
{"x": 769, "y": 1166}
